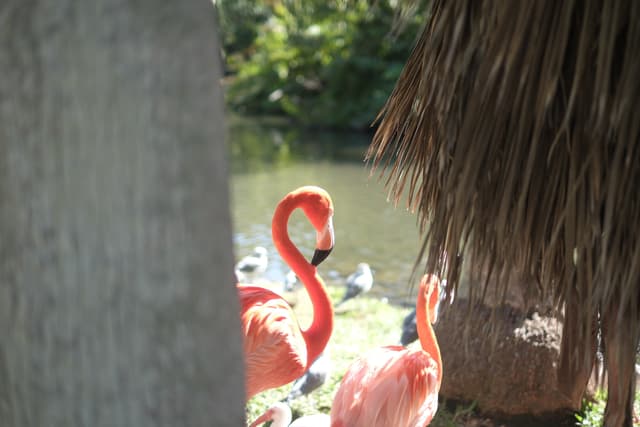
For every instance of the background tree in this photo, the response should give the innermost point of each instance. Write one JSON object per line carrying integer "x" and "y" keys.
{"x": 117, "y": 303}
{"x": 320, "y": 63}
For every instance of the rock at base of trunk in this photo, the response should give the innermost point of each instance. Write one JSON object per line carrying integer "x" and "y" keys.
{"x": 501, "y": 359}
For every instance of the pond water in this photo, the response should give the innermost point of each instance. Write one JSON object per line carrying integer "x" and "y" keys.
{"x": 270, "y": 159}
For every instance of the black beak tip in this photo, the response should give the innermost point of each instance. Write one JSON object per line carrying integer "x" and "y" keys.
{"x": 320, "y": 255}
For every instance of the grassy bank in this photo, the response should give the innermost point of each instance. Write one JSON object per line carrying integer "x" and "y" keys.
{"x": 364, "y": 323}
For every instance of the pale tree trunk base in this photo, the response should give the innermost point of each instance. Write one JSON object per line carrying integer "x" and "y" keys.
{"x": 117, "y": 300}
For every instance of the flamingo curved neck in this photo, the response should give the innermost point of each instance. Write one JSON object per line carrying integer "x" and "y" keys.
{"x": 425, "y": 331}
{"x": 318, "y": 333}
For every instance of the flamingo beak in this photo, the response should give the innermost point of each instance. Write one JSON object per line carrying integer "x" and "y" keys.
{"x": 324, "y": 243}
{"x": 319, "y": 255}
{"x": 267, "y": 416}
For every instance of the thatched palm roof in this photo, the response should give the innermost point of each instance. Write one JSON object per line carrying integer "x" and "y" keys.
{"x": 515, "y": 129}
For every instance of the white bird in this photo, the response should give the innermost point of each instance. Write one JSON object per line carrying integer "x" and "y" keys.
{"x": 290, "y": 281}
{"x": 358, "y": 283}
{"x": 280, "y": 414}
{"x": 315, "y": 376}
{"x": 252, "y": 266}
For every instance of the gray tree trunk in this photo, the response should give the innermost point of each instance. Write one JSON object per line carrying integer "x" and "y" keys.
{"x": 117, "y": 302}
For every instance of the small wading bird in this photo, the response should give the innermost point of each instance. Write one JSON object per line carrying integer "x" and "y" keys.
{"x": 290, "y": 281}
{"x": 252, "y": 266}
{"x": 409, "y": 329}
{"x": 359, "y": 282}
{"x": 394, "y": 385}
{"x": 315, "y": 376}
{"x": 276, "y": 350}
{"x": 280, "y": 414}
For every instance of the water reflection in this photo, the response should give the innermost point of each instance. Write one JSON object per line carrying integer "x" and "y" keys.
{"x": 267, "y": 144}
{"x": 269, "y": 160}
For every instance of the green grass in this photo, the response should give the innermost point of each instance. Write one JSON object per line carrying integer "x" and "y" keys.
{"x": 360, "y": 324}
{"x": 364, "y": 323}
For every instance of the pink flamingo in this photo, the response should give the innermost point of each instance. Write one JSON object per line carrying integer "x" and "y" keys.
{"x": 280, "y": 414}
{"x": 276, "y": 350}
{"x": 393, "y": 385}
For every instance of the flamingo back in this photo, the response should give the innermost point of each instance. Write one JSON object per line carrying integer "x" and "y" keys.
{"x": 274, "y": 348}
{"x": 388, "y": 386}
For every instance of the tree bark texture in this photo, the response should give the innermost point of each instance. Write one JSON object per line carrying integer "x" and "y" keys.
{"x": 117, "y": 300}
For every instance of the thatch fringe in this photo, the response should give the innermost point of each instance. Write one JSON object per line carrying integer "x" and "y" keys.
{"x": 514, "y": 128}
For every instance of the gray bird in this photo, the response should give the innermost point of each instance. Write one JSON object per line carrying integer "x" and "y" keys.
{"x": 358, "y": 283}
{"x": 409, "y": 329}
{"x": 315, "y": 376}
{"x": 252, "y": 266}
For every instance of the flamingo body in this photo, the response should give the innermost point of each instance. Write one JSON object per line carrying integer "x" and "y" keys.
{"x": 276, "y": 350}
{"x": 394, "y": 385}
{"x": 388, "y": 386}
{"x": 271, "y": 333}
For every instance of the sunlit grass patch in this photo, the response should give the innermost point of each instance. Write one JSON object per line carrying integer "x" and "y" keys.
{"x": 360, "y": 324}
{"x": 364, "y": 323}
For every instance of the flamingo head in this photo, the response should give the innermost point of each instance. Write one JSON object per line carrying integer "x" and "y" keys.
{"x": 430, "y": 285}
{"x": 318, "y": 207}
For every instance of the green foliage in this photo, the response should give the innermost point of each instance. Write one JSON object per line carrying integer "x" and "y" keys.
{"x": 323, "y": 63}
{"x": 239, "y": 20}
{"x": 592, "y": 412}
{"x": 266, "y": 143}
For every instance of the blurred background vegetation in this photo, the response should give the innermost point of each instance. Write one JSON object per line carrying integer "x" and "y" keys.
{"x": 321, "y": 63}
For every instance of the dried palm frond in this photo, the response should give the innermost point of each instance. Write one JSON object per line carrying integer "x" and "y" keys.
{"x": 515, "y": 129}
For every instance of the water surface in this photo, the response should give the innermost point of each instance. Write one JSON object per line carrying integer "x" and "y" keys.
{"x": 269, "y": 160}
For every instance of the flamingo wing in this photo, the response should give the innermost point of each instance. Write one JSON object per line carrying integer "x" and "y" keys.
{"x": 387, "y": 386}
{"x": 275, "y": 351}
